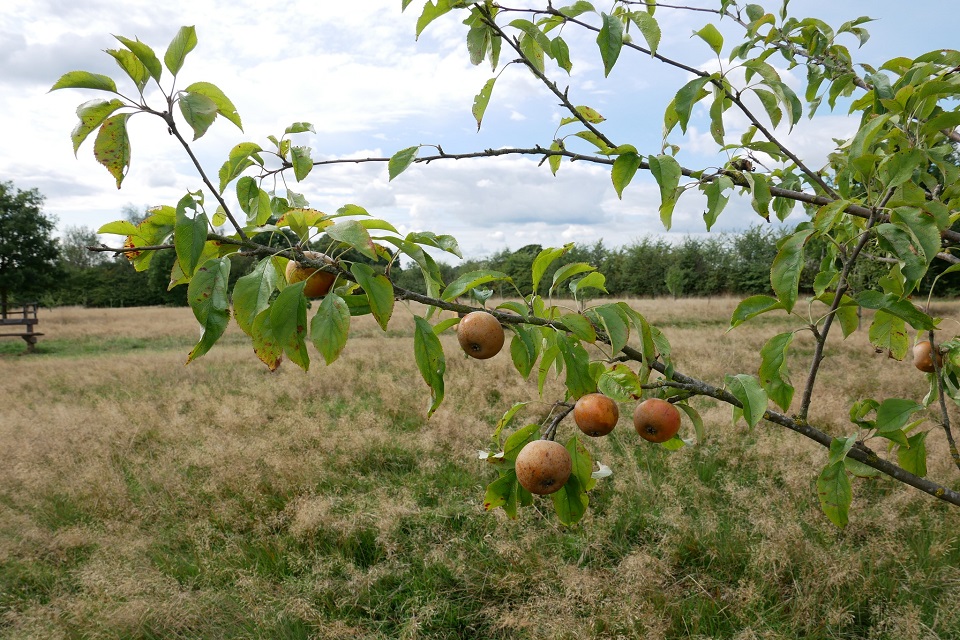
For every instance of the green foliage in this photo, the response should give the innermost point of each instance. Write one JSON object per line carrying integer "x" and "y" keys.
{"x": 29, "y": 256}
{"x": 890, "y": 192}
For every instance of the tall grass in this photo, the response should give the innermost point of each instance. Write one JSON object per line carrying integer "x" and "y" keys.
{"x": 140, "y": 498}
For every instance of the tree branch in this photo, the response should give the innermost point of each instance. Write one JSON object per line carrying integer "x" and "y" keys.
{"x": 172, "y": 127}
{"x": 822, "y": 334}
{"x": 700, "y": 387}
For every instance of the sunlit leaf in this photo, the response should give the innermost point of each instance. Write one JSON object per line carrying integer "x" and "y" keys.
{"x": 182, "y": 44}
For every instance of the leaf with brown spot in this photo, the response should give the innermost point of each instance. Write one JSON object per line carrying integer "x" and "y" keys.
{"x": 210, "y": 302}
{"x": 112, "y": 146}
{"x": 265, "y": 343}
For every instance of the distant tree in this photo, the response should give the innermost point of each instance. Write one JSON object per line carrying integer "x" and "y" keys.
{"x": 28, "y": 252}
{"x": 73, "y": 248}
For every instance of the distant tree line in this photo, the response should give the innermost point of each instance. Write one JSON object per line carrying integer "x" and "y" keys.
{"x": 696, "y": 266}
{"x": 57, "y": 272}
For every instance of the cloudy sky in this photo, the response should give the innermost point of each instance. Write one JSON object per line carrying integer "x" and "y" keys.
{"x": 357, "y": 73}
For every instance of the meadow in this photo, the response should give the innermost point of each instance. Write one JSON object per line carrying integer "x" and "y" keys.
{"x": 141, "y": 498}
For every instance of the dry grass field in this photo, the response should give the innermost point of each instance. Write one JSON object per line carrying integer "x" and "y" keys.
{"x": 141, "y": 498}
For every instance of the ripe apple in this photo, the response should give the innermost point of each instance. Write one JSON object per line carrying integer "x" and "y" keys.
{"x": 656, "y": 420}
{"x": 596, "y": 414}
{"x": 318, "y": 281}
{"x": 543, "y": 466}
{"x": 480, "y": 335}
{"x": 922, "y": 357}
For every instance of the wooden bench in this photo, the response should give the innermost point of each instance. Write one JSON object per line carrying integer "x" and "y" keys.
{"x": 26, "y": 317}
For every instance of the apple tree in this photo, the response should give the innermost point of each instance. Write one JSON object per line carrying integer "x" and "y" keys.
{"x": 891, "y": 190}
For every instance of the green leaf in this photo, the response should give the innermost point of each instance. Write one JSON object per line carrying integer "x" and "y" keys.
{"x": 532, "y": 52}
{"x": 401, "y": 160}
{"x": 92, "y": 114}
{"x": 900, "y": 308}
{"x": 582, "y": 467}
{"x": 534, "y": 32}
{"x": 542, "y": 262}
{"x": 300, "y": 127}
{"x": 894, "y": 413}
{"x": 430, "y": 360}
{"x": 774, "y": 375}
{"x": 478, "y": 39}
{"x": 480, "y": 102}
{"x": 505, "y": 492}
{"x": 189, "y": 235}
{"x": 431, "y": 11}
{"x": 470, "y": 280}
{"x": 182, "y": 44}
{"x": 518, "y": 440}
{"x": 379, "y": 291}
{"x": 354, "y": 234}
{"x": 251, "y": 293}
{"x": 751, "y": 395}
{"x": 145, "y": 54}
{"x": 833, "y": 489}
{"x": 759, "y": 193}
{"x": 131, "y": 65}
{"x": 214, "y": 94}
{"x": 523, "y": 349}
{"x": 288, "y": 319}
{"x": 666, "y": 170}
{"x": 568, "y": 271}
{"x": 506, "y": 419}
{"x": 770, "y": 104}
{"x": 695, "y": 418}
{"x": 913, "y": 458}
{"x": 711, "y": 35}
{"x": 112, "y": 146}
{"x": 610, "y": 41}
{"x": 590, "y": 114}
{"x": 445, "y": 242}
{"x": 570, "y": 502}
{"x": 752, "y": 307}
{"x": 330, "y": 327}
{"x": 209, "y": 299}
{"x": 119, "y": 227}
{"x": 579, "y": 382}
{"x": 624, "y": 168}
{"x": 614, "y": 324}
{"x": 577, "y": 8}
{"x": 924, "y": 229}
{"x": 621, "y": 383}
{"x": 199, "y": 112}
{"x": 579, "y": 326}
{"x": 859, "y": 469}
{"x": 787, "y": 266}
{"x": 265, "y": 344}
{"x": 85, "y": 80}
{"x": 648, "y": 27}
{"x": 560, "y": 52}
{"x": 302, "y": 162}
{"x": 889, "y": 332}
{"x": 595, "y": 280}
{"x": 554, "y": 160}
{"x": 716, "y": 201}
{"x": 686, "y": 97}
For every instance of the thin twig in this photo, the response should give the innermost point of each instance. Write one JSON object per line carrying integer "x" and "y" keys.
{"x": 565, "y": 409}
{"x": 821, "y": 336}
{"x": 941, "y": 392}
{"x": 172, "y": 126}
